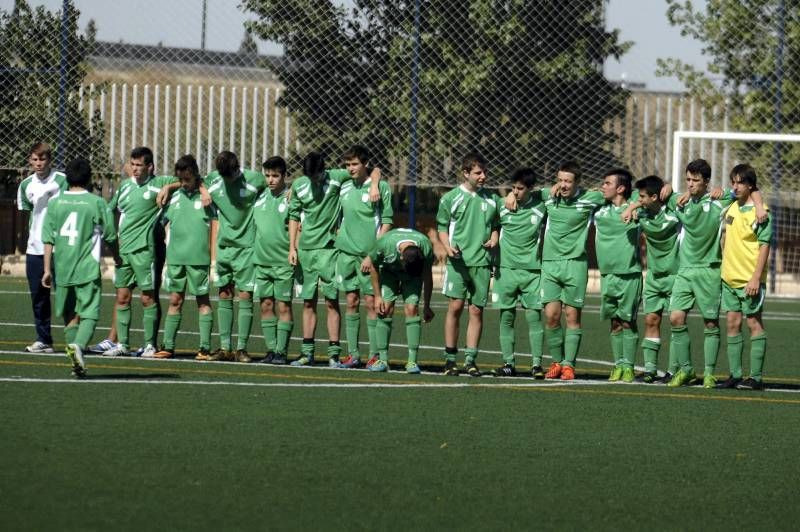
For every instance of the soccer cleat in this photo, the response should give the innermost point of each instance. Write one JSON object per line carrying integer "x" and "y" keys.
{"x": 750, "y": 384}
{"x": 451, "y": 368}
{"x": 39, "y": 347}
{"x": 380, "y": 365}
{"x": 374, "y": 358}
{"x": 102, "y": 347}
{"x": 147, "y": 351}
{"x": 304, "y": 360}
{"x": 567, "y": 373}
{"x": 118, "y": 350}
{"x": 243, "y": 357}
{"x": 681, "y": 378}
{"x": 333, "y": 362}
{"x": 616, "y": 374}
{"x": 537, "y": 372}
{"x": 506, "y": 370}
{"x": 270, "y": 356}
{"x": 709, "y": 381}
{"x": 472, "y": 370}
{"x": 350, "y": 362}
{"x": 649, "y": 377}
{"x": 222, "y": 355}
{"x": 628, "y": 375}
{"x": 280, "y": 359}
{"x": 203, "y": 354}
{"x": 730, "y": 383}
{"x": 413, "y": 368}
{"x": 666, "y": 378}
{"x": 164, "y": 353}
{"x": 75, "y": 356}
{"x": 554, "y": 371}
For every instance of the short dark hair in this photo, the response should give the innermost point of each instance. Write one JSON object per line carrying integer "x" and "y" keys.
{"x": 699, "y": 166}
{"x": 526, "y": 176}
{"x": 140, "y": 152}
{"x": 313, "y": 164}
{"x": 357, "y": 152}
{"x": 472, "y": 159}
{"x": 624, "y": 179}
{"x": 746, "y": 173}
{"x": 651, "y": 185}
{"x": 187, "y": 162}
{"x": 79, "y": 172}
{"x": 41, "y": 149}
{"x": 227, "y": 164}
{"x": 571, "y": 167}
{"x": 275, "y": 163}
{"x": 413, "y": 261}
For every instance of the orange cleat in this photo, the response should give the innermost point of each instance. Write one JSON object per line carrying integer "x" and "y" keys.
{"x": 554, "y": 371}
{"x": 164, "y": 353}
{"x": 568, "y": 373}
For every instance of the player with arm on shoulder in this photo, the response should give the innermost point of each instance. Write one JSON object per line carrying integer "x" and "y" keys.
{"x": 401, "y": 264}
{"x": 467, "y": 226}
{"x": 76, "y": 223}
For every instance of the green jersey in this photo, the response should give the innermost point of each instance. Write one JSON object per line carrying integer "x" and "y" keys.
{"x": 568, "y": 224}
{"x": 361, "y": 218}
{"x": 316, "y": 205}
{"x": 189, "y": 229}
{"x": 661, "y": 234}
{"x": 702, "y": 225}
{"x": 520, "y": 233}
{"x": 271, "y": 217}
{"x": 33, "y": 195}
{"x": 138, "y": 211}
{"x": 385, "y": 251}
{"x": 75, "y": 223}
{"x": 469, "y": 218}
{"x": 234, "y": 202}
{"x": 616, "y": 242}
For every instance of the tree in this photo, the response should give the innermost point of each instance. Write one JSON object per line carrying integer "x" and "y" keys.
{"x": 31, "y": 85}
{"x": 520, "y": 79}
{"x": 248, "y": 45}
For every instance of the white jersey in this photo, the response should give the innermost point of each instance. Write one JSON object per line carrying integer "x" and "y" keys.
{"x": 33, "y": 195}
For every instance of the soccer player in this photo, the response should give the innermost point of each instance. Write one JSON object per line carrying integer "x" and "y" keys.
{"x": 234, "y": 192}
{"x": 33, "y": 195}
{"x": 617, "y": 248}
{"x": 468, "y": 230}
{"x": 75, "y": 223}
{"x": 190, "y": 250}
{"x": 274, "y": 274}
{"x": 401, "y": 263}
{"x": 518, "y": 275}
{"x": 315, "y": 202}
{"x": 363, "y": 222}
{"x": 744, "y": 274}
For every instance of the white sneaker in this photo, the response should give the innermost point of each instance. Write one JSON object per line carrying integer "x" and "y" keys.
{"x": 148, "y": 351}
{"x": 102, "y": 347}
{"x": 75, "y": 356}
{"x": 39, "y": 347}
{"x": 118, "y": 350}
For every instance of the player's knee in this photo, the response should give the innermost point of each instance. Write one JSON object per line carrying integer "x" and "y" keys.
{"x": 411, "y": 311}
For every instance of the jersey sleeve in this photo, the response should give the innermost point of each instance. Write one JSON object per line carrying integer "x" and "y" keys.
{"x": 443, "y": 214}
{"x": 595, "y": 197}
{"x": 376, "y": 253}
{"x": 22, "y": 198}
{"x": 544, "y": 193}
{"x": 163, "y": 180}
{"x": 106, "y": 219}
{"x": 339, "y": 174}
{"x": 387, "y": 213}
{"x": 764, "y": 232}
{"x": 112, "y": 204}
{"x": 48, "y": 225}
{"x": 295, "y": 207}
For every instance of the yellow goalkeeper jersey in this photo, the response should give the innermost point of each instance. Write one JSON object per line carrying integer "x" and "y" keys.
{"x": 743, "y": 237}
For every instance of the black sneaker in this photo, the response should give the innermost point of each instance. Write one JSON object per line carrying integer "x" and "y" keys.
{"x": 242, "y": 356}
{"x": 269, "y": 358}
{"x": 750, "y": 384}
{"x": 666, "y": 378}
{"x": 450, "y": 368}
{"x": 279, "y": 359}
{"x": 729, "y": 384}
{"x": 506, "y": 370}
{"x": 649, "y": 377}
{"x": 472, "y": 370}
{"x": 537, "y": 372}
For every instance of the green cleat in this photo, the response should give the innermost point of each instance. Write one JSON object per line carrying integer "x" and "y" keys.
{"x": 413, "y": 368}
{"x": 709, "y": 381}
{"x": 681, "y": 378}
{"x": 628, "y": 375}
{"x": 616, "y": 374}
{"x": 537, "y": 372}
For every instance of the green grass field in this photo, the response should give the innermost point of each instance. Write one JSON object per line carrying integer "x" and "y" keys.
{"x": 204, "y": 446}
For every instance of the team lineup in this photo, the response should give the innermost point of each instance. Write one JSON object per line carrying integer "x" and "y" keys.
{"x": 254, "y": 237}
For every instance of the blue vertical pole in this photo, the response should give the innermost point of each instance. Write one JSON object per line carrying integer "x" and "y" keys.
{"x": 414, "y": 155}
{"x": 62, "y": 86}
{"x": 776, "y": 151}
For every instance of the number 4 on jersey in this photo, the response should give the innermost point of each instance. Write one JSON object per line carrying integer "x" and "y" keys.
{"x": 70, "y": 228}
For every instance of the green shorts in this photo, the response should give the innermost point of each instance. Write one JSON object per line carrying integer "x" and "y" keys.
{"x": 137, "y": 269}
{"x": 275, "y": 282}
{"x": 317, "y": 268}
{"x": 700, "y": 285}
{"x": 735, "y": 300}
{"x": 349, "y": 277}
{"x": 565, "y": 280}
{"x": 185, "y": 278}
{"x": 657, "y": 292}
{"x": 82, "y": 299}
{"x": 512, "y": 285}
{"x": 400, "y": 284}
{"x": 235, "y": 266}
{"x": 620, "y": 295}
{"x": 470, "y": 283}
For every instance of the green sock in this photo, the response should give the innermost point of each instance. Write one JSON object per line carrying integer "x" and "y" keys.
{"x": 734, "y": 350}
{"x": 352, "y": 325}
{"x": 124, "y": 325}
{"x": 225, "y": 319}
{"x": 269, "y": 328}
{"x": 149, "y": 319}
{"x": 450, "y": 353}
{"x": 555, "y": 342}
{"x": 383, "y": 332}
{"x": 507, "y": 338}
{"x": 650, "y": 347}
{"x": 710, "y": 349}
{"x": 70, "y": 331}
{"x": 758, "y": 349}
{"x": 535, "y": 334}
{"x": 284, "y": 332}
{"x": 334, "y": 350}
{"x": 171, "y": 325}
{"x": 85, "y": 332}
{"x": 572, "y": 344}
{"x": 673, "y": 360}
{"x": 245, "y": 322}
{"x": 413, "y": 332}
{"x": 680, "y": 342}
{"x": 373, "y": 341}
{"x": 616, "y": 347}
{"x": 206, "y": 322}
{"x": 630, "y": 341}
{"x": 307, "y": 348}
{"x": 470, "y": 354}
